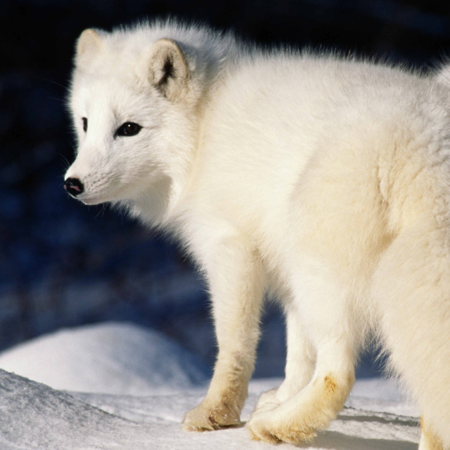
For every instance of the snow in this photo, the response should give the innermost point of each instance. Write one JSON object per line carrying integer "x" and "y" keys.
{"x": 134, "y": 398}
{"x": 110, "y": 358}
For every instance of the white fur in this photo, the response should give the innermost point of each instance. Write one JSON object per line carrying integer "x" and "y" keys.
{"x": 322, "y": 181}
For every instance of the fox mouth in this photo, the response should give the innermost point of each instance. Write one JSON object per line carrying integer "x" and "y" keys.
{"x": 91, "y": 200}
{"x": 76, "y": 189}
{"x": 106, "y": 186}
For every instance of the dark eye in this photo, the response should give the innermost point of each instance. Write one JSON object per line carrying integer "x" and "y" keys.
{"x": 84, "y": 124}
{"x": 128, "y": 129}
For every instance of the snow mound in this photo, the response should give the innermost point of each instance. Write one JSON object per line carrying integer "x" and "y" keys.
{"x": 34, "y": 416}
{"x": 110, "y": 358}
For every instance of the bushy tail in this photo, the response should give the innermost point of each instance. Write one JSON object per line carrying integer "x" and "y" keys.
{"x": 412, "y": 290}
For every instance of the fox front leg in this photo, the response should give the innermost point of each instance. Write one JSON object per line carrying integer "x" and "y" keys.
{"x": 235, "y": 276}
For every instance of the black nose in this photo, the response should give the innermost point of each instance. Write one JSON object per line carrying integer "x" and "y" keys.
{"x": 73, "y": 186}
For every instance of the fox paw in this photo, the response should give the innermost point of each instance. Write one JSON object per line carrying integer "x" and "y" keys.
{"x": 207, "y": 418}
{"x": 263, "y": 427}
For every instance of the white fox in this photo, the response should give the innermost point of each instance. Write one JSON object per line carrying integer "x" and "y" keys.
{"x": 322, "y": 181}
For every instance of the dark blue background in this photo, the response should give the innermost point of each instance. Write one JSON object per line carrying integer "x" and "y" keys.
{"x": 64, "y": 264}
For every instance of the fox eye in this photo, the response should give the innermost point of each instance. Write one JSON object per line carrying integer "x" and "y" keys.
{"x": 128, "y": 129}
{"x": 85, "y": 123}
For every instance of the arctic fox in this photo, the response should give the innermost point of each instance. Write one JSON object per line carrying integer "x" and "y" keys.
{"x": 319, "y": 180}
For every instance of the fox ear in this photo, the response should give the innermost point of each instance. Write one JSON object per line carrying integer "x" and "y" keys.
{"x": 89, "y": 44}
{"x": 169, "y": 71}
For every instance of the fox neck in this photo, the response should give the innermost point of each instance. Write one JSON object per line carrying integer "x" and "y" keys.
{"x": 168, "y": 198}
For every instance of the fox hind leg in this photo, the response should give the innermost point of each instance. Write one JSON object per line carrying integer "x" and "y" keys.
{"x": 300, "y": 415}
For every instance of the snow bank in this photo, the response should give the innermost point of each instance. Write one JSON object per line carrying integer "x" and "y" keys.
{"x": 113, "y": 358}
{"x": 33, "y": 415}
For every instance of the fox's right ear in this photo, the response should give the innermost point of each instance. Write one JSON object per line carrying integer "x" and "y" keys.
{"x": 89, "y": 44}
{"x": 166, "y": 68}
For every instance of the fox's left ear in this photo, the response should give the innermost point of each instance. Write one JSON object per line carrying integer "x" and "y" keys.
{"x": 89, "y": 45}
{"x": 167, "y": 69}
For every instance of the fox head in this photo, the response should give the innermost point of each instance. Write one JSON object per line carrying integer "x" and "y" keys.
{"x": 134, "y": 105}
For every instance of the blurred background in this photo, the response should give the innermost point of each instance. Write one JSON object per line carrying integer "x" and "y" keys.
{"x": 63, "y": 264}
